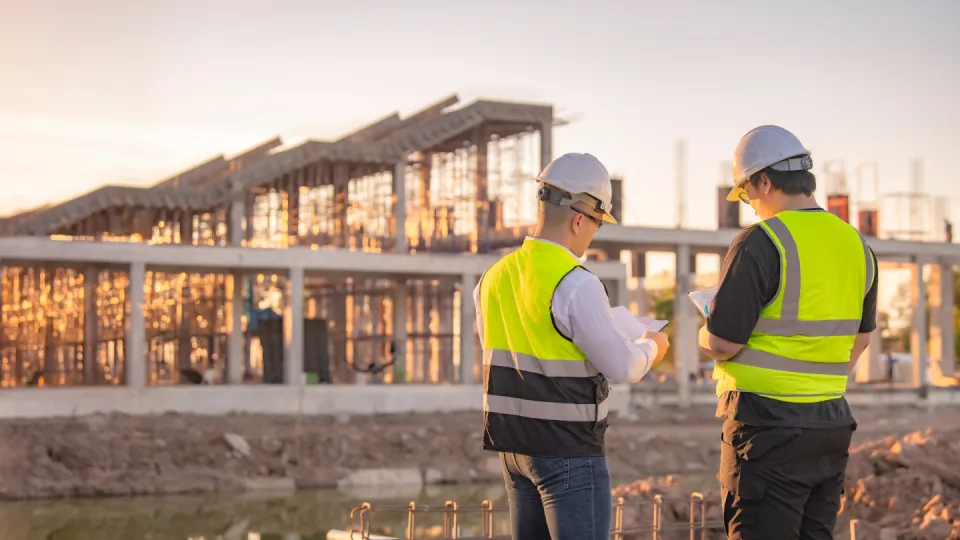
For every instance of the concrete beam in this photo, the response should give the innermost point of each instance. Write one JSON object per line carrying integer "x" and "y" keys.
{"x": 226, "y": 259}
{"x": 717, "y": 241}
{"x": 348, "y": 399}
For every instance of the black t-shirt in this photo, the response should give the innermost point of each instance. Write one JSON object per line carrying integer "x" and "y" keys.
{"x": 750, "y": 279}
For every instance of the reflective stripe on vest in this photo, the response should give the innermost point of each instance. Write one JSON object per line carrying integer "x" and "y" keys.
{"x": 765, "y": 366}
{"x": 543, "y": 410}
{"x": 531, "y": 364}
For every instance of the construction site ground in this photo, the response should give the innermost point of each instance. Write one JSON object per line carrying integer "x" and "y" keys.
{"x": 890, "y": 482}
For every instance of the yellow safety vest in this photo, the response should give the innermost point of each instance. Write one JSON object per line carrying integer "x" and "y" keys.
{"x": 541, "y": 395}
{"x": 799, "y": 350}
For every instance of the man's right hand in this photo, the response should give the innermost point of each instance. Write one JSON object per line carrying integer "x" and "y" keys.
{"x": 662, "y": 343}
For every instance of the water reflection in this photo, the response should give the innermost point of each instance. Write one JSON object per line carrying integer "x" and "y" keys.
{"x": 306, "y": 515}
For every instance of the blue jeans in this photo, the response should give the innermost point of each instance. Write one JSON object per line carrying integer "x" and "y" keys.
{"x": 558, "y": 498}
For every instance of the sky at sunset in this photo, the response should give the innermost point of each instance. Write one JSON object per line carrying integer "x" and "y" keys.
{"x": 110, "y": 91}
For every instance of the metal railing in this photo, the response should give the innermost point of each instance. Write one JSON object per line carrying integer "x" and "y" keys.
{"x": 697, "y": 523}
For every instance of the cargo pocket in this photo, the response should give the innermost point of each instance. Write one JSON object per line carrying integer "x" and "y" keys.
{"x": 742, "y": 492}
{"x": 743, "y": 500}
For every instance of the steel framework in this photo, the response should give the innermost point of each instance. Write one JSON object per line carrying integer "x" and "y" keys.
{"x": 448, "y": 178}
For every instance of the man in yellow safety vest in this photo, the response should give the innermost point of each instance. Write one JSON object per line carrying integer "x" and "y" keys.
{"x": 550, "y": 345}
{"x": 794, "y": 311}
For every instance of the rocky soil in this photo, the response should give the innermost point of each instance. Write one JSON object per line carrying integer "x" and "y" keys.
{"x": 127, "y": 455}
{"x": 898, "y": 488}
{"x": 903, "y": 477}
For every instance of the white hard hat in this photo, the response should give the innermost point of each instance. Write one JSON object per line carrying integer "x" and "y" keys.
{"x": 581, "y": 174}
{"x": 767, "y": 146}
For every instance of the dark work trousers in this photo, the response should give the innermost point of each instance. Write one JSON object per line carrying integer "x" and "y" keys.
{"x": 781, "y": 483}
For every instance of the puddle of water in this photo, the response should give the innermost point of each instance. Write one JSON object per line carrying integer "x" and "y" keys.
{"x": 305, "y": 515}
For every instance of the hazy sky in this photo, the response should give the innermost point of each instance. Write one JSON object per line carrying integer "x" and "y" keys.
{"x": 110, "y": 91}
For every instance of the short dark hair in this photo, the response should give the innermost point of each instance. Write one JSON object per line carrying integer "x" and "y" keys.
{"x": 789, "y": 182}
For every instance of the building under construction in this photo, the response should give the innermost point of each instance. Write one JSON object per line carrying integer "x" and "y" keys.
{"x": 321, "y": 261}
{"x": 449, "y": 178}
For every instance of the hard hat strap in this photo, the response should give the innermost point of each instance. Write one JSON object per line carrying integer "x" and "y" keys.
{"x": 553, "y": 196}
{"x": 799, "y": 163}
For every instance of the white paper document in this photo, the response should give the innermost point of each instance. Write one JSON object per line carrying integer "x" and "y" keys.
{"x": 703, "y": 298}
{"x": 634, "y": 326}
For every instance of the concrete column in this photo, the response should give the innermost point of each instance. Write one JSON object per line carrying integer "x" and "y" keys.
{"x": 683, "y": 340}
{"x": 468, "y": 324}
{"x": 236, "y": 216}
{"x": 948, "y": 359}
{"x": 400, "y": 293}
{"x": 481, "y": 243}
{"x": 641, "y": 297}
{"x": 135, "y": 341}
{"x": 918, "y": 332}
{"x": 546, "y": 144}
{"x": 870, "y": 366}
{"x": 445, "y": 319}
{"x": 90, "y": 371}
{"x": 235, "y": 342}
{"x": 341, "y": 177}
{"x": 940, "y": 346}
{"x": 400, "y": 206}
{"x": 623, "y": 297}
{"x": 293, "y": 329}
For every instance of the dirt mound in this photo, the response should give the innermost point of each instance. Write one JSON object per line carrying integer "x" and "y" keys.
{"x": 904, "y": 488}
{"x": 898, "y": 488}
{"x": 120, "y": 455}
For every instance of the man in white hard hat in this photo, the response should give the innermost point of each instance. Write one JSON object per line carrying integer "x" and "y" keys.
{"x": 794, "y": 311}
{"x": 549, "y": 347}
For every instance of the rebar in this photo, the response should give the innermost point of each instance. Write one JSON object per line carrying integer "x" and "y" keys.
{"x": 450, "y": 530}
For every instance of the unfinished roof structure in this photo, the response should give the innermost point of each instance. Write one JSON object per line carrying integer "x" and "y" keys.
{"x": 340, "y": 192}
{"x": 450, "y": 177}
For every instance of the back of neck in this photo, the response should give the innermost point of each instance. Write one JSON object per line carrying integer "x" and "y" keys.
{"x": 550, "y": 236}
{"x": 799, "y": 202}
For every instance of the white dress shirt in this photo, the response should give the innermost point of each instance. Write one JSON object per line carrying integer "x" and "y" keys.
{"x": 581, "y": 310}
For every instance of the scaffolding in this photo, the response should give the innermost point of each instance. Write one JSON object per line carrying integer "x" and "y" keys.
{"x": 445, "y": 179}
